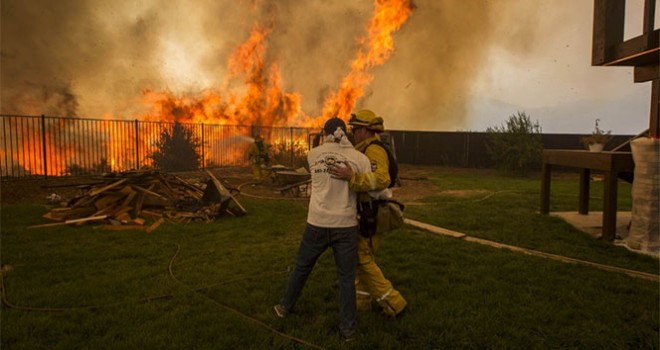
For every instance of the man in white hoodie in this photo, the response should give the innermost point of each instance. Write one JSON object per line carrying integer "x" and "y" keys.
{"x": 331, "y": 222}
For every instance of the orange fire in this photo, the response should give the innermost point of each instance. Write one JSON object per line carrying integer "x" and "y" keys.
{"x": 375, "y": 50}
{"x": 262, "y": 101}
{"x": 252, "y": 95}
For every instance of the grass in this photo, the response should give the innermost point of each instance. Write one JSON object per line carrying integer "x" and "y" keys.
{"x": 116, "y": 291}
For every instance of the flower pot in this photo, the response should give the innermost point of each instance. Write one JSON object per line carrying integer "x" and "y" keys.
{"x": 596, "y": 147}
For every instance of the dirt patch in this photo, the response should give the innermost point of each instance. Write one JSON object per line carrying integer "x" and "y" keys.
{"x": 414, "y": 185}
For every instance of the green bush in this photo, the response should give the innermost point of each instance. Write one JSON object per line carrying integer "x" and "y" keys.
{"x": 177, "y": 150}
{"x": 516, "y": 146}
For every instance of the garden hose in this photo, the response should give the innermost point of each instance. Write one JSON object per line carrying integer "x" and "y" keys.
{"x": 242, "y": 193}
{"x": 8, "y": 304}
{"x": 236, "y": 312}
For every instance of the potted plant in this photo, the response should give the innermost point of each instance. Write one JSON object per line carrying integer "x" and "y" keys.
{"x": 597, "y": 140}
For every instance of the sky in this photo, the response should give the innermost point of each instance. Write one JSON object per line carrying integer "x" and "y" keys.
{"x": 456, "y": 64}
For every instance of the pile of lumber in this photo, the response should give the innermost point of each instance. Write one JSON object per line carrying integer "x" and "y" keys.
{"x": 144, "y": 200}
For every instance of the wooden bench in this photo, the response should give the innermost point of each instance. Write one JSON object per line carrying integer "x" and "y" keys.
{"x": 610, "y": 163}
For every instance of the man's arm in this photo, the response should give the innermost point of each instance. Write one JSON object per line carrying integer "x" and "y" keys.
{"x": 376, "y": 180}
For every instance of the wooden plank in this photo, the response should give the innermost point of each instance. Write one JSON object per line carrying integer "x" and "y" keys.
{"x": 105, "y": 188}
{"x": 107, "y": 200}
{"x": 85, "y": 201}
{"x": 155, "y": 225}
{"x": 224, "y": 192}
{"x": 152, "y": 213}
{"x": 618, "y": 161}
{"x": 149, "y": 192}
{"x": 435, "y": 229}
{"x": 188, "y": 185}
{"x": 138, "y": 204}
{"x": 129, "y": 198}
{"x": 124, "y": 218}
{"x": 110, "y": 210}
{"x": 73, "y": 221}
{"x": 609, "y": 16}
{"x": 654, "y": 118}
{"x": 122, "y": 227}
{"x": 647, "y": 73}
{"x": 61, "y": 214}
{"x": 139, "y": 221}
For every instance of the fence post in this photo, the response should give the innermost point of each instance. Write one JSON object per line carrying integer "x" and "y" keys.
{"x": 43, "y": 145}
{"x": 137, "y": 146}
{"x": 291, "y": 143}
{"x": 203, "y": 156}
{"x": 467, "y": 150}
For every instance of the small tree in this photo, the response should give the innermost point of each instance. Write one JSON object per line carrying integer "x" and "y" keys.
{"x": 177, "y": 150}
{"x": 515, "y": 147}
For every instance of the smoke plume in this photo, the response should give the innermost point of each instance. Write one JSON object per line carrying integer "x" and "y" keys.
{"x": 95, "y": 58}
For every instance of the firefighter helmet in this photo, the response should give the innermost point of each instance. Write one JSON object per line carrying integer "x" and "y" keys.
{"x": 368, "y": 119}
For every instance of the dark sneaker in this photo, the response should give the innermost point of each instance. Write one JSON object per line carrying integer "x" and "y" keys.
{"x": 347, "y": 338}
{"x": 280, "y": 310}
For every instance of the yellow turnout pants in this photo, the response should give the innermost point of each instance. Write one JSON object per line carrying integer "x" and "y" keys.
{"x": 370, "y": 283}
{"x": 257, "y": 171}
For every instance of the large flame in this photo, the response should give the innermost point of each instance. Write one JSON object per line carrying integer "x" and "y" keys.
{"x": 262, "y": 100}
{"x": 375, "y": 49}
{"x": 250, "y": 95}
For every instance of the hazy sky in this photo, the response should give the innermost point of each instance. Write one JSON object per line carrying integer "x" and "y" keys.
{"x": 457, "y": 64}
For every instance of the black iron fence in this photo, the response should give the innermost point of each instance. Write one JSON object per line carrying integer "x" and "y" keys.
{"x": 56, "y": 146}
{"x": 468, "y": 149}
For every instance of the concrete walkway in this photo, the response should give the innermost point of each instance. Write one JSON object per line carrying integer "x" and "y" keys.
{"x": 592, "y": 223}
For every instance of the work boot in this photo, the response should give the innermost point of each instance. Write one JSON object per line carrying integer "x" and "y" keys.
{"x": 392, "y": 307}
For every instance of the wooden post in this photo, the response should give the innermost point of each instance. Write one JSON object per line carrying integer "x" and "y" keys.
{"x": 585, "y": 176}
{"x": 654, "y": 125}
{"x": 609, "y": 206}
{"x": 609, "y": 16}
{"x": 545, "y": 189}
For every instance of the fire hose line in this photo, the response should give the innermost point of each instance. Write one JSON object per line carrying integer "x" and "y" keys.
{"x": 242, "y": 193}
{"x": 8, "y": 304}
{"x": 236, "y": 312}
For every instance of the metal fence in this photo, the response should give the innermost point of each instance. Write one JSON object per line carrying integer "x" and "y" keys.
{"x": 468, "y": 149}
{"x": 56, "y": 146}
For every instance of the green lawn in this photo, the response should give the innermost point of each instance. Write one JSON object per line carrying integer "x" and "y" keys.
{"x": 212, "y": 286}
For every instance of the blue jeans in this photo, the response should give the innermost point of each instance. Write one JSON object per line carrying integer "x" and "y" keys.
{"x": 315, "y": 241}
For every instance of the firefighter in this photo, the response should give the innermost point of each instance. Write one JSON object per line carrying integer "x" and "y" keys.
{"x": 259, "y": 154}
{"x": 371, "y": 284}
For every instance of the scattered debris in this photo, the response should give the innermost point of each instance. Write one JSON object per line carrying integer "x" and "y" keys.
{"x": 293, "y": 182}
{"x": 54, "y": 198}
{"x": 144, "y": 200}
